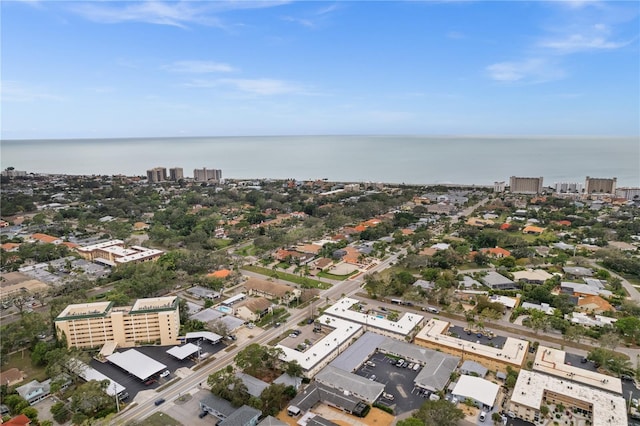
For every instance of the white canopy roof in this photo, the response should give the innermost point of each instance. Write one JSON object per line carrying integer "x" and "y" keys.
{"x": 181, "y": 352}
{"x": 136, "y": 363}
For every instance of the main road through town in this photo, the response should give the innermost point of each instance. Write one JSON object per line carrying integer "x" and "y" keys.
{"x": 145, "y": 408}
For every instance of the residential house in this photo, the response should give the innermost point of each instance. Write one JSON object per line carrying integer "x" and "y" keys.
{"x": 531, "y": 229}
{"x": 11, "y": 377}
{"x": 46, "y": 239}
{"x": 220, "y": 274}
{"x": 274, "y": 291}
{"x": 497, "y": 252}
{"x": 253, "y": 309}
{"x": 543, "y": 307}
{"x": 577, "y": 271}
{"x": 532, "y": 276}
{"x": 19, "y": 420}
{"x": 497, "y": 281}
{"x": 594, "y": 304}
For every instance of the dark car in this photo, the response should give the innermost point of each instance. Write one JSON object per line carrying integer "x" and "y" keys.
{"x": 202, "y": 414}
{"x": 159, "y": 401}
{"x": 583, "y": 360}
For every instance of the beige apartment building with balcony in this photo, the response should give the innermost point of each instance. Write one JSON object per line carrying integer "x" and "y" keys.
{"x": 149, "y": 321}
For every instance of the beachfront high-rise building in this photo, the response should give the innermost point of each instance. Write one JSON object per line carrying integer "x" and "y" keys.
{"x": 148, "y": 321}
{"x": 631, "y": 194}
{"x": 525, "y": 185}
{"x": 207, "y": 175}
{"x": 499, "y": 186}
{"x": 176, "y": 173}
{"x": 157, "y": 174}
{"x": 600, "y": 185}
{"x": 568, "y": 187}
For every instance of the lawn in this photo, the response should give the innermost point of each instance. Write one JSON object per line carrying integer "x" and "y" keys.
{"x": 249, "y": 250}
{"x": 23, "y": 363}
{"x": 329, "y": 276}
{"x": 302, "y": 281}
{"x": 160, "y": 419}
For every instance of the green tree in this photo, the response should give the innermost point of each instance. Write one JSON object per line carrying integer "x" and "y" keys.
{"x": 226, "y": 385}
{"x": 15, "y": 403}
{"x": 629, "y": 327}
{"x": 90, "y": 399}
{"x": 275, "y": 398}
{"x": 60, "y": 412}
{"x": 30, "y": 412}
{"x": 439, "y": 413}
{"x": 293, "y": 369}
{"x": 256, "y": 359}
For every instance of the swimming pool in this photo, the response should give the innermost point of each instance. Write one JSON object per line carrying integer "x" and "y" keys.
{"x": 225, "y": 309}
{"x": 379, "y": 316}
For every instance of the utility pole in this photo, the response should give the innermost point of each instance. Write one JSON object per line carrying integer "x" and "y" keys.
{"x": 115, "y": 391}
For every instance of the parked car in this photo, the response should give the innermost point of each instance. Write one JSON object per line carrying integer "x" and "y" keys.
{"x": 370, "y": 364}
{"x": 387, "y": 396}
{"x": 293, "y": 335}
{"x": 405, "y": 364}
{"x": 483, "y": 416}
{"x": 410, "y": 366}
{"x": 165, "y": 373}
{"x": 203, "y": 414}
{"x": 372, "y": 377}
{"x": 400, "y": 362}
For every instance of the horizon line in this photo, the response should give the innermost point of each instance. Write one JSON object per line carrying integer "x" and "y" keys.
{"x": 404, "y": 135}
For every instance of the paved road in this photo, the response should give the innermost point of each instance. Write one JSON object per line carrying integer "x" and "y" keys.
{"x": 146, "y": 408}
{"x": 633, "y": 292}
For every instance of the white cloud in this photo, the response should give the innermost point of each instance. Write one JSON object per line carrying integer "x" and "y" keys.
{"x": 14, "y": 91}
{"x": 456, "y": 35}
{"x": 533, "y": 70}
{"x": 580, "y": 42}
{"x": 578, "y": 4}
{"x": 153, "y": 12}
{"x": 198, "y": 67}
{"x": 262, "y": 86}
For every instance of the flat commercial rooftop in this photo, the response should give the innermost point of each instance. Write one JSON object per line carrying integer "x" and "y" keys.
{"x": 181, "y": 352}
{"x": 514, "y": 350}
{"x": 552, "y": 361}
{"x": 155, "y": 304}
{"x": 342, "y": 331}
{"x": 84, "y": 310}
{"x": 608, "y": 409}
{"x": 404, "y": 326}
{"x": 136, "y": 363}
{"x": 477, "y": 388}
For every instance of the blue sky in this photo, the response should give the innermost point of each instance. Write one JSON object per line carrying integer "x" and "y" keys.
{"x": 197, "y": 68}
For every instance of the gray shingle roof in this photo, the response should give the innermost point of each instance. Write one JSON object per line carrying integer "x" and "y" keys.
{"x": 359, "y": 386}
{"x": 243, "y": 416}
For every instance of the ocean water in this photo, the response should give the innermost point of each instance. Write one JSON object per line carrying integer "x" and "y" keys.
{"x": 393, "y": 159}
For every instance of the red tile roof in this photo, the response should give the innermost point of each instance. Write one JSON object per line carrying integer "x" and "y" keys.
{"x": 19, "y": 420}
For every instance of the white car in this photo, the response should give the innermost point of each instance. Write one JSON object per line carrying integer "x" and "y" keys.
{"x": 165, "y": 373}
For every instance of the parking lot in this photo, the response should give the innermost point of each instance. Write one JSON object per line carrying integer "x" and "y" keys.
{"x": 398, "y": 382}
{"x": 306, "y": 335}
{"x": 133, "y": 384}
{"x": 483, "y": 339}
